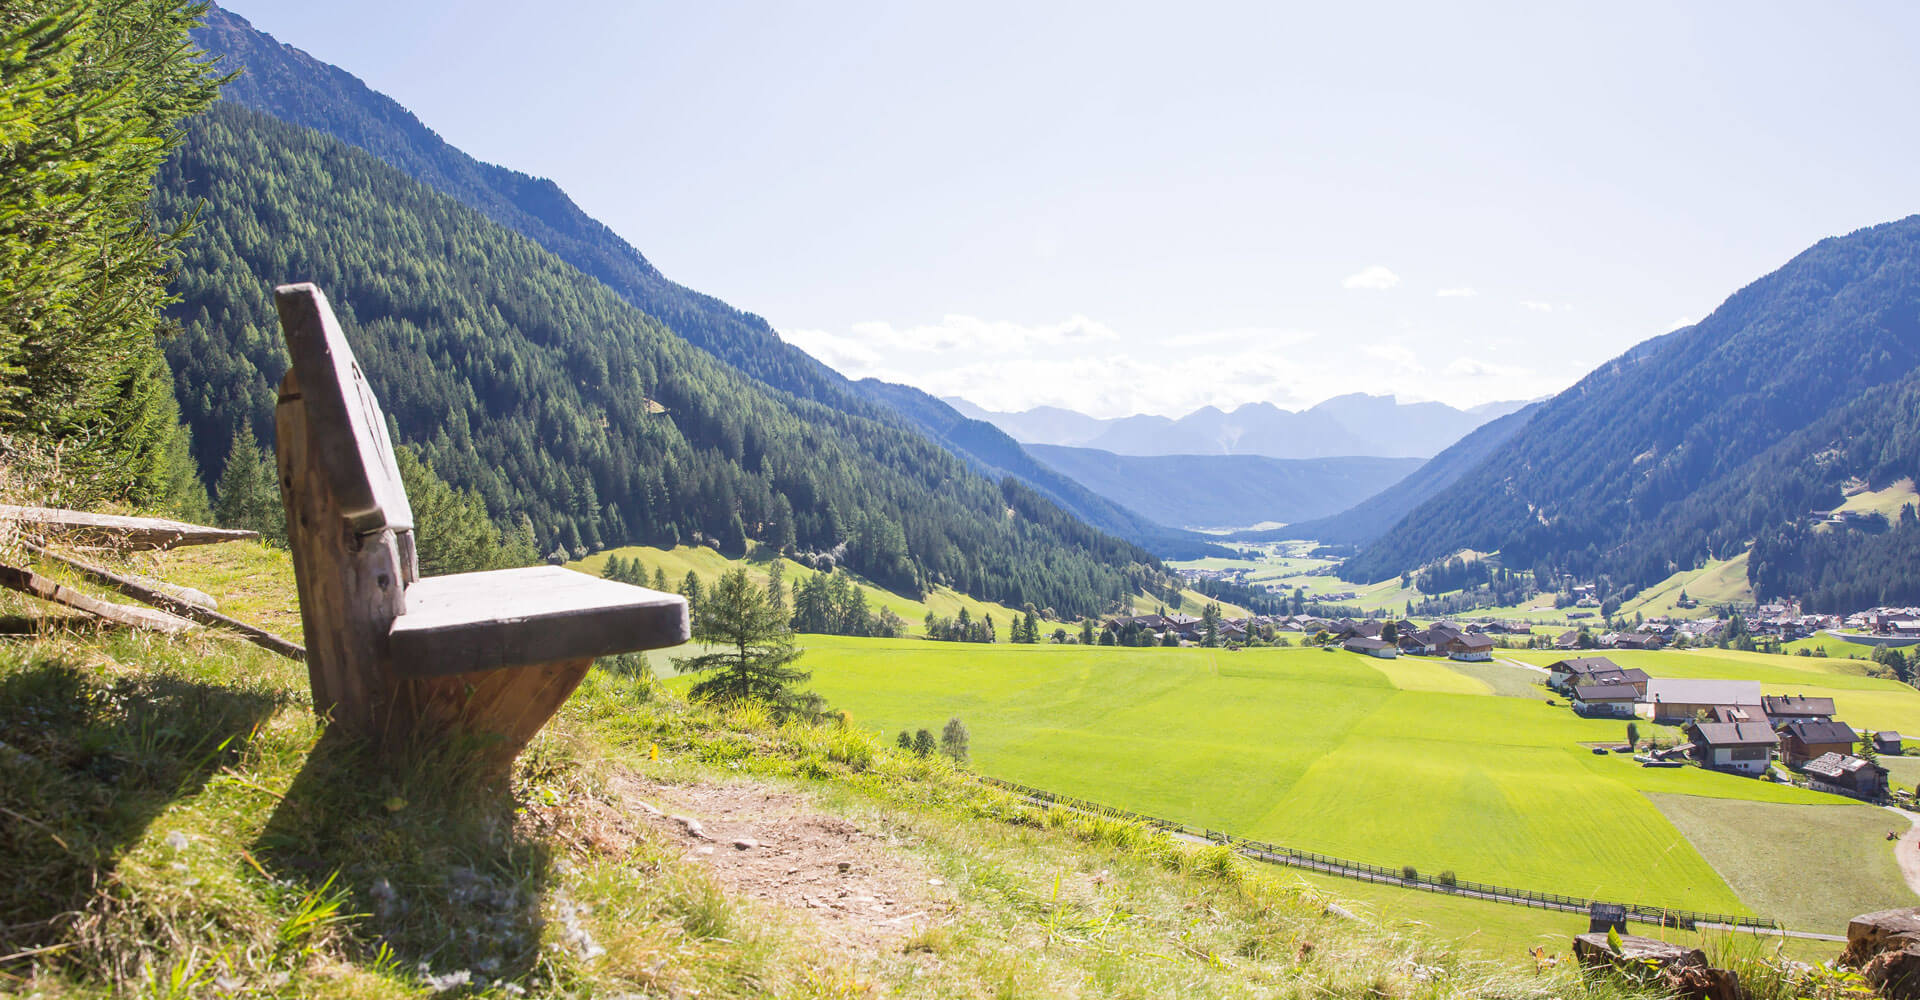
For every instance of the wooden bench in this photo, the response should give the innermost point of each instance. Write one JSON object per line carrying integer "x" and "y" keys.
{"x": 393, "y": 656}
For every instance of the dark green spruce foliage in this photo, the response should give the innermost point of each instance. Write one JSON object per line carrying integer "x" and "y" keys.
{"x": 533, "y": 385}
{"x": 451, "y": 529}
{"x": 91, "y": 94}
{"x": 1697, "y": 443}
{"x": 754, "y": 651}
{"x": 248, "y": 493}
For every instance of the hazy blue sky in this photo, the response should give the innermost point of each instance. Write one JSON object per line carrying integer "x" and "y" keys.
{"x": 1148, "y": 209}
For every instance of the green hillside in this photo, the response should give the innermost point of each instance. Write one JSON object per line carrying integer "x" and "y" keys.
{"x": 1692, "y": 445}
{"x": 525, "y": 380}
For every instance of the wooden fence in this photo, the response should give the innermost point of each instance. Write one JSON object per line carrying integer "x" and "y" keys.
{"x": 1406, "y": 877}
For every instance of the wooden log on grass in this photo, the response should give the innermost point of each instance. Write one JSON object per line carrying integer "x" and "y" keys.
{"x": 168, "y": 602}
{"x": 27, "y": 581}
{"x": 114, "y": 531}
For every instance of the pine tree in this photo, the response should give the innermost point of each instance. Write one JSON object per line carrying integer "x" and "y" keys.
{"x": 923, "y": 744}
{"x": 92, "y": 96}
{"x": 905, "y": 740}
{"x": 248, "y": 494}
{"x": 758, "y": 647}
{"x": 776, "y": 585}
{"x": 1210, "y": 624}
{"x": 953, "y": 740}
{"x": 660, "y": 579}
{"x": 690, "y": 589}
{"x": 452, "y": 532}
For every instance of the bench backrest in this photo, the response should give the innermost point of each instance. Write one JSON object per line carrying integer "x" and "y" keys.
{"x": 348, "y": 427}
{"x": 349, "y": 527}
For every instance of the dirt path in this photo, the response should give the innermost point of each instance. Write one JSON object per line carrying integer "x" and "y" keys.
{"x": 853, "y": 884}
{"x": 1523, "y": 666}
{"x": 1907, "y": 851}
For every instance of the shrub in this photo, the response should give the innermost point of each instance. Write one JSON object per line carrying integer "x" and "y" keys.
{"x": 1409, "y": 873}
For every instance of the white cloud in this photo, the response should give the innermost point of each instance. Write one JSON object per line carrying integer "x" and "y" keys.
{"x": 957, "y": 332}
{"x": 841, "y": 353}
{"x": 1475, "y": 368}
{"x": 1682, "y": 321}
{"x": 1374, "y": 278}
{"x": 1244, "y": 337}
{"x": 1084, "y": 365}
{"x": 1544, "y": 307}
{"x": 1456, "y": 293}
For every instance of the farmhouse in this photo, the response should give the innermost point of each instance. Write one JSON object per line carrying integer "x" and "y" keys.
{"x": 1785, "y": 708}
{"x": 1887, "y": 741}
{"x": 1605, "y": 699}
{"x": 1803, "y": 740}
{"x": 1569, "y": 674}
{"x": 1677, "y": 700}
{"x": 1745, "y": 747}
{"x": 1371, "y": 647}
{"x": 1417, "y": 642}
{"x": 1469, "y": 646}
{"x": 1844, "y": 774}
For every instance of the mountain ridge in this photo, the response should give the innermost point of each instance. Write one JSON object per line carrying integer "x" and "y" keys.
{"x": 1695, "y": 443}
{"x": 1227, "y": 491}
{"x": 1340, "y": 426}
{"x": 293, "y": 86}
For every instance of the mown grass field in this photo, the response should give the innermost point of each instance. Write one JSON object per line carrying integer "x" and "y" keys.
{"x": 1767, "y": 852}
{"x": 1390, "y": 762}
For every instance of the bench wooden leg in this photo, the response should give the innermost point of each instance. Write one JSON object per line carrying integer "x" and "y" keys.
{"x": 503, "y": 708}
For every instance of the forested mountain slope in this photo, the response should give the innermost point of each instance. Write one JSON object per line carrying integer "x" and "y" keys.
{"x": 1227, "y": 491}
{"x": 536, "y": 385}
{"x": 1370, "y": 518}
{"x": 295, "y": 87}
{"x": 1695, "y": 443}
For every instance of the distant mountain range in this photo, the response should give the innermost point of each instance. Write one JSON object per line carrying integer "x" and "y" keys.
{"x": 1373, "y": 516}
{"x": 1227, "y": 491}
{"x": 1728, "y": 433}
{"x": 1354, "y": 424}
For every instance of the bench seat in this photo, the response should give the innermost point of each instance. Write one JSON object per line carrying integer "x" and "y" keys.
{"x": 513, "y": 617}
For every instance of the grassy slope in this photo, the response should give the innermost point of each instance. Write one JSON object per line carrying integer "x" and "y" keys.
{"x": 1499, "y": 930}
{"x": 1886, "y": 501}
{"x": 1719, "y": 582}
{"x": 1858, "y": 699}
{"x": 238, "y": 843}
{"x": 1312, "y": 749}
{"x": 1764, "y": 850}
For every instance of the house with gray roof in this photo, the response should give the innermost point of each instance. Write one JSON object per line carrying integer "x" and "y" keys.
{"x": 1675, "y": 700}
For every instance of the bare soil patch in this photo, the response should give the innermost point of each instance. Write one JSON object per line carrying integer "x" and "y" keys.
{"x": 862, "y": 893}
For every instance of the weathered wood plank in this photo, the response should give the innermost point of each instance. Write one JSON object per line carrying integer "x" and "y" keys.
{"x": 168, "y": 602}
{"x": 27, "y": 581}
{"x": 351, "y": 585}
{"x": 114, "y": 531}
{"x": 501, "y": 618}
{"x": 350, "y": 443}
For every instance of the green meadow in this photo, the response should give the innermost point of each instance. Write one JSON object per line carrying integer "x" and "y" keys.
{"x": 1404, "y": 762}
